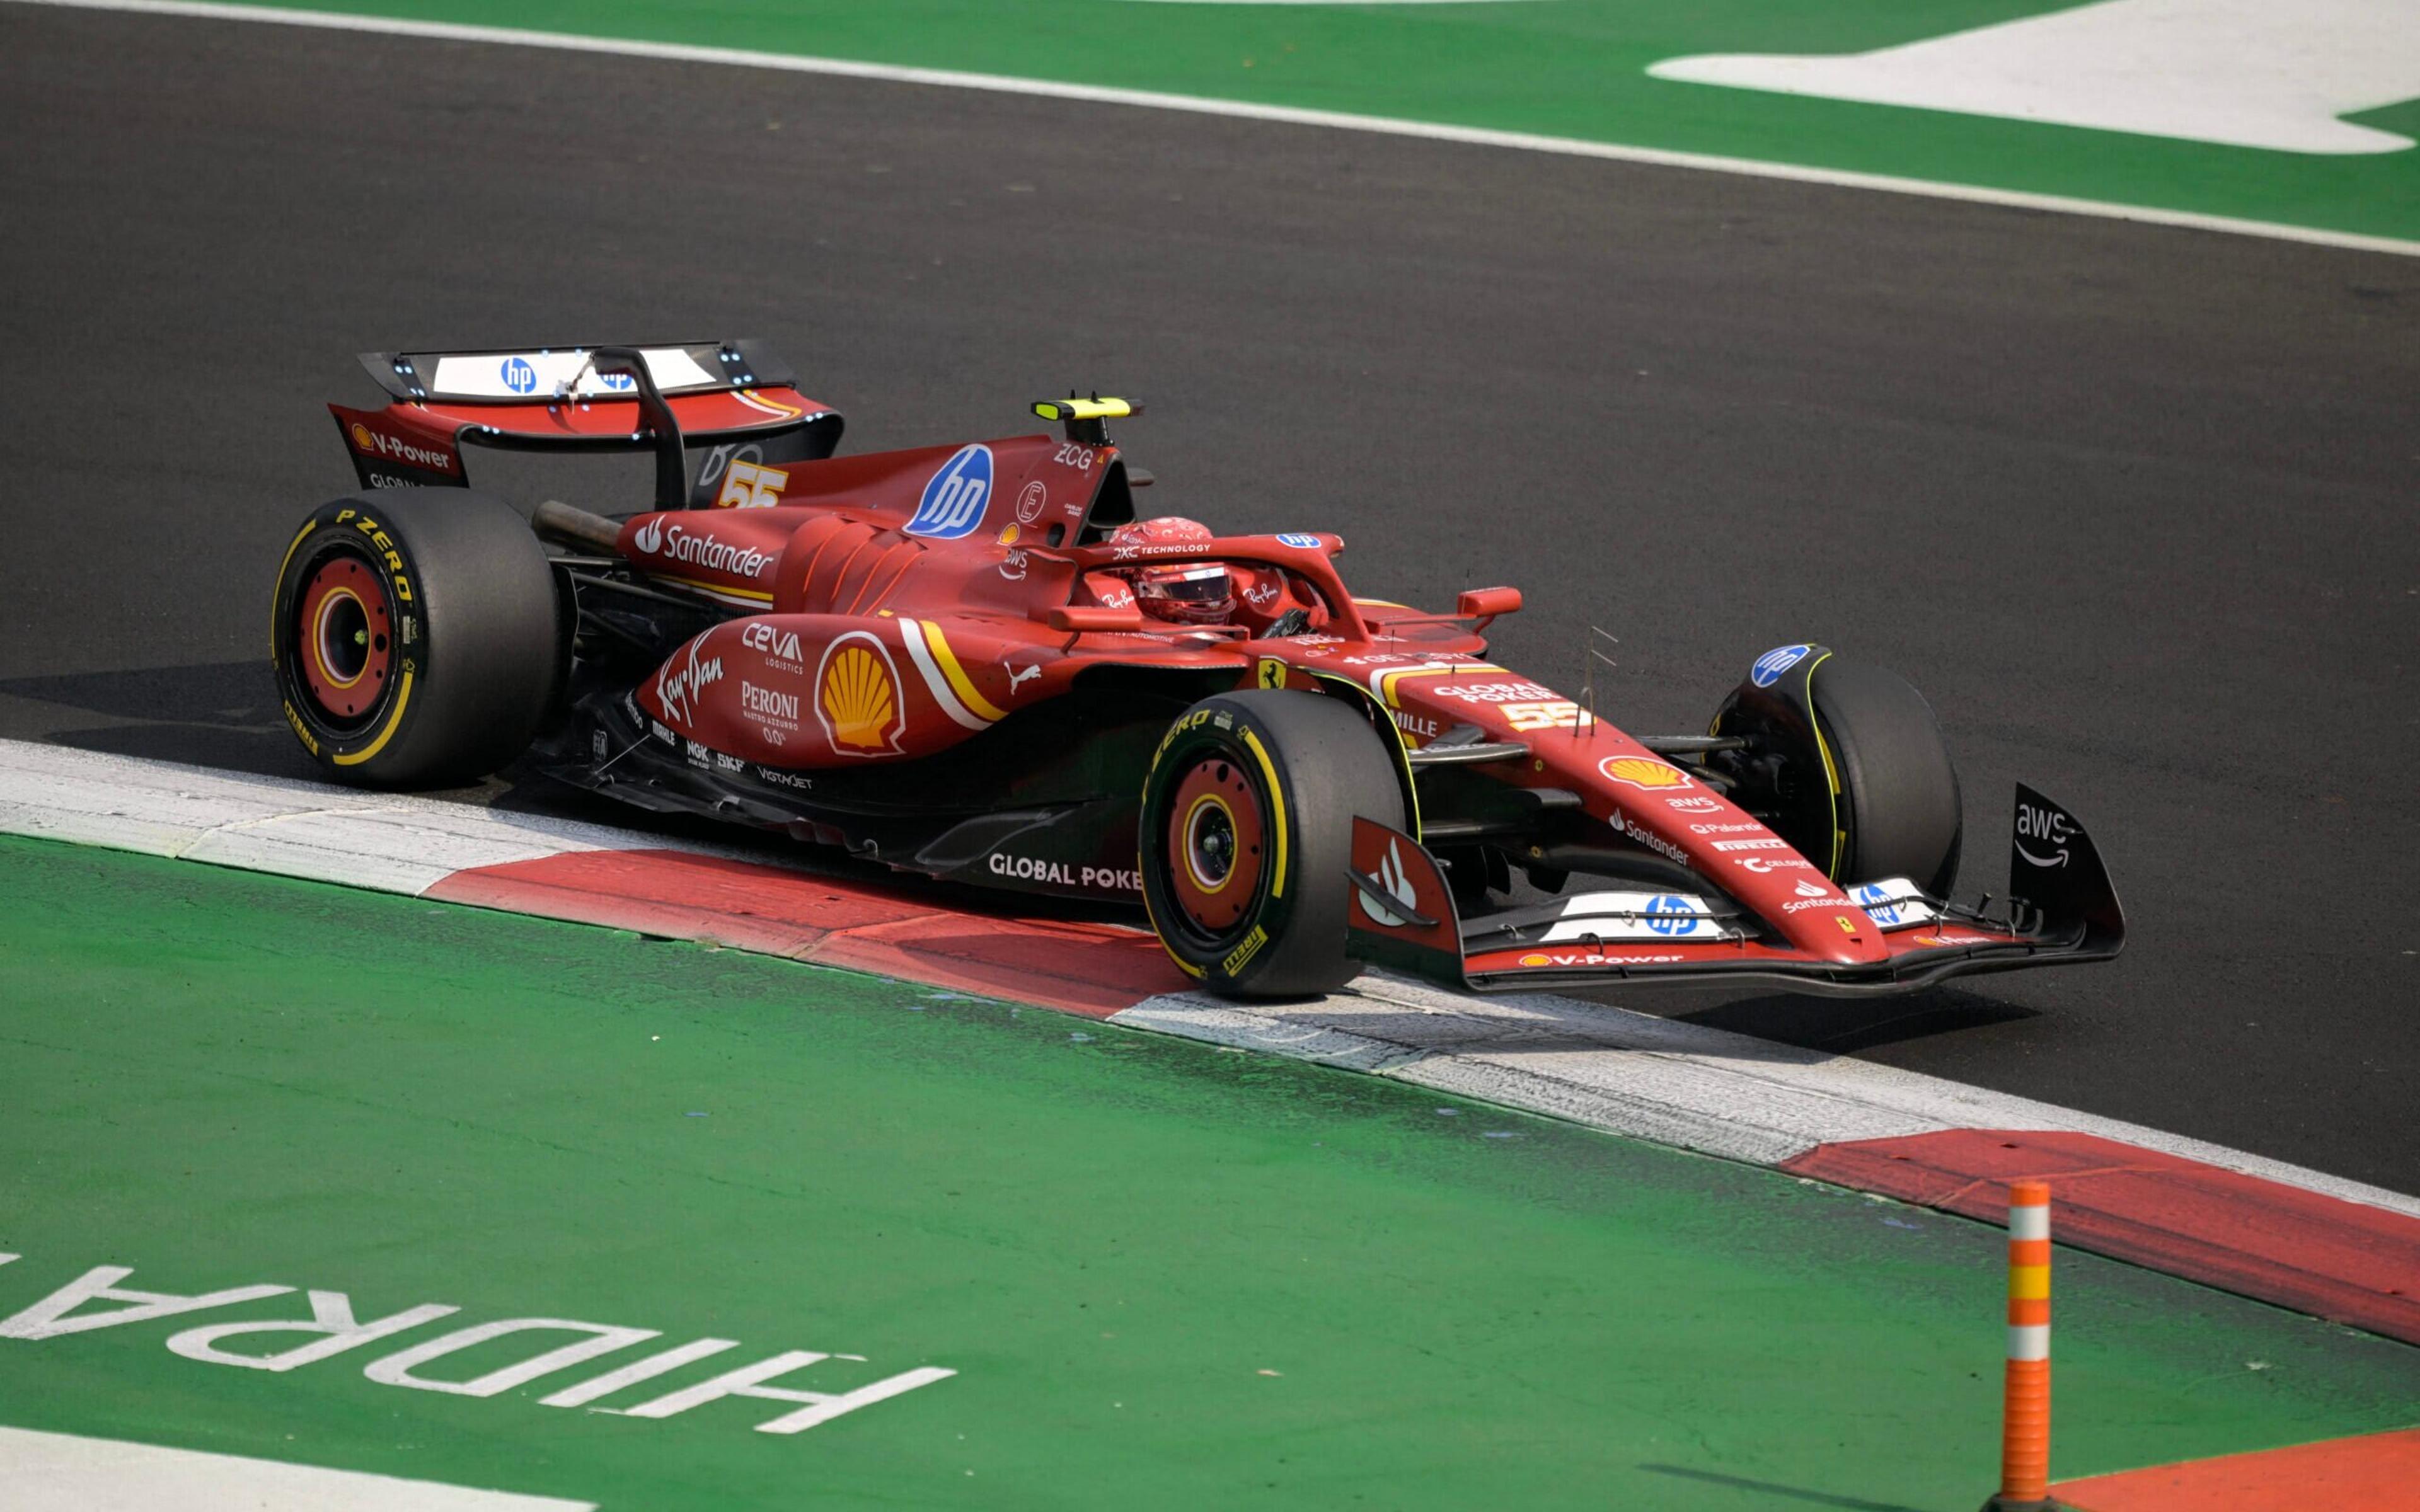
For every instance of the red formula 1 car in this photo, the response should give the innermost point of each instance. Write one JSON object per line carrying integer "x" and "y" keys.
{"x": 971, "y": 661}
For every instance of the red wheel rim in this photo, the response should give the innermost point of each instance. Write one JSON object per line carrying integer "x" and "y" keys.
{"x": 1214, "y": 846}
{"x": 344, "y": 637}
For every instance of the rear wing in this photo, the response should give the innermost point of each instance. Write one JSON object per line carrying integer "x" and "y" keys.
{"x": 735, "y": 398}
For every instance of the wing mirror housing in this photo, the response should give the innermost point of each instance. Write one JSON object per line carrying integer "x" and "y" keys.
{"x": 1486, "y": 604}
{"x": 1079, "y": 618}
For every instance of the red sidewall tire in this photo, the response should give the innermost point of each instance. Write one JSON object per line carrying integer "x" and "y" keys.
{"x": 459, "y": 591}
{"x": 1247, "y": 835}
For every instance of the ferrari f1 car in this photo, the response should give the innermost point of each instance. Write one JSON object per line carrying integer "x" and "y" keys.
{"x": 957, "y": 660}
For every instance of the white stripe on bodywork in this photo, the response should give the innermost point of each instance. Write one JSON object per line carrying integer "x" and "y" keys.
{"x": 938, "y": 682}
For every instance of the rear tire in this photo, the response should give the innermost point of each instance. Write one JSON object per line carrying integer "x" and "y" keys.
{"x": 415, "y": 637}
{"x": 1247, "y": 838}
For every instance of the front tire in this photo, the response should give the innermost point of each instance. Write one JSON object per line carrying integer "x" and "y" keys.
{"x": 1247, "y": 837}
{"x": 1846, "y": 762}
{"x": 415, "y": 637}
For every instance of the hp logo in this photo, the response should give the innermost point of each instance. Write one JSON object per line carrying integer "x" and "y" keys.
{"x": 519, "y": 376}
{"x": 953, "y": 500}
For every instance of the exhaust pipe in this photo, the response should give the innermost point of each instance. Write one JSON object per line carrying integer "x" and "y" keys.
{"x": 568, "y": 525}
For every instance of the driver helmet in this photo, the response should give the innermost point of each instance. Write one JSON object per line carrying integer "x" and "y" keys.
{"x": 1180, "y": 593}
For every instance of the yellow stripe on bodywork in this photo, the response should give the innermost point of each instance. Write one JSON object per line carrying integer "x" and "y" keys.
{"x": 1831, "y": 772}
{"x": 1387, "y": 679}
{"x": 402, "y": 697}
{"x": 746, "y": 595}
{"x": 968, "y": 693}
{"x": 1277, "y": 808}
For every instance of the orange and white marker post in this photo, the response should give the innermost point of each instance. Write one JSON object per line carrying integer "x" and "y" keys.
{"x": 2025, "y": 1423}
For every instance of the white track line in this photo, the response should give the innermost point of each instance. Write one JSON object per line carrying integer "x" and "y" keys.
{"x": 1612, "y": 1069}
{"x": 1287, "y": 115}
{"x": 1660, "y": 1079}
{"x": 63, "y": 1472}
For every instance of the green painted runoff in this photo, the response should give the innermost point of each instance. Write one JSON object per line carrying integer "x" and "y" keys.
{"x": 1558, "y": 67}
{"x": 1164, "y": 1274}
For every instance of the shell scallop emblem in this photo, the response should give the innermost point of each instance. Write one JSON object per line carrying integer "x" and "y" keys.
{"x": 1646, "y": 772}
{"x": 857, "y": 694}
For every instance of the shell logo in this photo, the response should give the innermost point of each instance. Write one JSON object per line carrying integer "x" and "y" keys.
{"x": 363, "y": 440}
{"x": 1646, "y": 772}
{"x": 1537, "y": 961}
{"x": 857, "y": 695}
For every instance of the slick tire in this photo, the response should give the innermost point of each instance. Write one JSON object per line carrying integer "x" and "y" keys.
{"x": 1247, "y": 838}
{"x": 1899, "y": 793}
{"x": 415, "y": 637}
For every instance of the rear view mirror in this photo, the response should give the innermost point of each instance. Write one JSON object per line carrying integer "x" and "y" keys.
{"x": 1486, "y": 603}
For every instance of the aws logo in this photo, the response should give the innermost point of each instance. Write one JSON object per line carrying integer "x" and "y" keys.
{"x": 857, "y": 697}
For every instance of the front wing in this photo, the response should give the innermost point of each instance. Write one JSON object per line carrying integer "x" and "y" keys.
{"x": 2060, "y": 907}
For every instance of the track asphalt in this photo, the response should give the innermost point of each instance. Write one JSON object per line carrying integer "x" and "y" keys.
{"x": 1163, "y": 1274}
{"x": 2132, "y": 504}
{"x": 2233, "y": 115}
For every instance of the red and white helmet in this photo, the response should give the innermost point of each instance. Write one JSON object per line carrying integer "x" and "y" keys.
{"x": 1180, "y": 593}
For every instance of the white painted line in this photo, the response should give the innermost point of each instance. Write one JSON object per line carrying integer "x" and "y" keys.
{"x": 61, "y": 1473}
{"x": 2244, "y": 73}
{"x": 1613, "y": 1069}
{"x": 389, "y": 841}
{"x": 1661, "y": 1080}
{"x": 1284, "y": 115}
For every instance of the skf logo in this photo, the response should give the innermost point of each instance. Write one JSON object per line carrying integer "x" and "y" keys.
{"x": 1645, "y": 772}
{"x": 857, "y": 697}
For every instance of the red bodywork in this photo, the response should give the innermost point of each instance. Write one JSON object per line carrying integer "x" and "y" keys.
{"x": 894, "y": 604}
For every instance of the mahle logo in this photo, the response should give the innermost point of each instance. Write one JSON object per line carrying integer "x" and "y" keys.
{"x": 953, "y": 500}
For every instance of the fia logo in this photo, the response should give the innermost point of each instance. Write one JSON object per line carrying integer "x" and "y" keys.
{"x": 519, "y": 375}
{"x": 953, "y": 500}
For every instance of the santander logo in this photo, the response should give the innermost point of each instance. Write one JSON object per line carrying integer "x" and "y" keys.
{"x": 651, "y": 538}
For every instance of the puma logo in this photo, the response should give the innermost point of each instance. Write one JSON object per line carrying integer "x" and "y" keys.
{"x": 1016, "y": 678}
